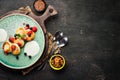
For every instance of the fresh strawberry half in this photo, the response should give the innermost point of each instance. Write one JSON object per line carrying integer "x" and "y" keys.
{"x": 13, "y": 47}
{"x": 34, "y": 29}
{"x": 29, "y": 32}
{"x": 19, "y": 44}
{"x": 12, "y": 39}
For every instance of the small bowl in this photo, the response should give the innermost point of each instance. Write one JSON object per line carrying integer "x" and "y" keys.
{"x": 57, "y": 62}
{"x": 36, "y": 5}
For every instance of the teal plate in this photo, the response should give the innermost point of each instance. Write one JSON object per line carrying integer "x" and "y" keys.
{"x": 10, "y": 23}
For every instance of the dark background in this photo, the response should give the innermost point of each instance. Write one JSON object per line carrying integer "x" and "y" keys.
{"x": 93, "y": 28}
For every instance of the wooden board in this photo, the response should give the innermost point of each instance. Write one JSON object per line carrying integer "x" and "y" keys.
{"x": 40, "y": 20}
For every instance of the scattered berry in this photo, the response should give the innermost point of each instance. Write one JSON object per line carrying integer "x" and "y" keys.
{"x": 25, "y": 54}
{"x": 29, "y": 57}
{"x": 30, "y": 28}
{"x": 34, "y": 29}
{"x": 17, "y": 57}
{"x": 27, "y": 25}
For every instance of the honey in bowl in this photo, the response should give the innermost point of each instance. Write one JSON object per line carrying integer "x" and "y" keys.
{"x": 57, "y": 62}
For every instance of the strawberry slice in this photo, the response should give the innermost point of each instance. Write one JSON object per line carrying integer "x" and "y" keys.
{"x": 13, "y": 47}
{"x": 19, "y": 44}
{"x": 11, "y": 39}
{"x": 29, "y": 32}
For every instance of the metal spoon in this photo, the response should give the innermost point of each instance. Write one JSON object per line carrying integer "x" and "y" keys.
{"x": 58, "y": 35}
{"x": 59, "y": 39}
{"x": 62, "y": 42}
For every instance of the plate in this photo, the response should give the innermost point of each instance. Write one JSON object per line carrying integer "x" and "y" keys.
{"x": 9, "y": 24}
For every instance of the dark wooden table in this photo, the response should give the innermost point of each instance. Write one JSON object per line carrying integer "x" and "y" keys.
{"x": 93, "y": 28}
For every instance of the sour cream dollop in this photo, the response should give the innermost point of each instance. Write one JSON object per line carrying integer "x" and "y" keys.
{"x": 31, "y": 48}
{"x": 3, "y": 35}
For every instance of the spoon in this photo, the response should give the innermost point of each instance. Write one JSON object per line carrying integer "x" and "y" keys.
{"x": 62, "y": 42}
{"x": 59, "y": 39}
{"x": 58, "y": 35}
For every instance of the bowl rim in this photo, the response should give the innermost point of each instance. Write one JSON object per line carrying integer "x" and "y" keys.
{"x": 53, "y": 66}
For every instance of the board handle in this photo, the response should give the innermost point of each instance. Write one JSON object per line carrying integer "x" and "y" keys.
{"x": 50, "y": 11}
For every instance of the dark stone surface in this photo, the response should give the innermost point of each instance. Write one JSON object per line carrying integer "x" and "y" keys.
{"x": 93, "y": 28}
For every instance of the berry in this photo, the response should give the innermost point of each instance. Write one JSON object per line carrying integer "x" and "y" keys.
{"x": 19, "y": 44}
{"x": 13, "y": 47}
{"x": 12, "y": 39}
{"x": 25, "y": 54}
{"x": 30, "y": 57}
{"x": 17, "y": 57}
{"x": 29, "y": 32}
{"x": 30, "y": 28}
{"x": 27, "y": 26}
{"x": 34, "y": 29}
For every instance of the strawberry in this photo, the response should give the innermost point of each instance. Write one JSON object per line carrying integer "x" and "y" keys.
{"x": 34, "y": 29}
{"x": 19, "y": 44}
{"x": 11, "y": 39}
{"x": 29, "y": 32}
{"x": 13, "y": 47}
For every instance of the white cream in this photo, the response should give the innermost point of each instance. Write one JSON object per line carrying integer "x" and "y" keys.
{"x": 3, "y": 35}
{"x": 31, "y": 48}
